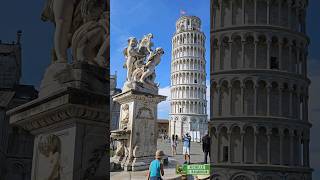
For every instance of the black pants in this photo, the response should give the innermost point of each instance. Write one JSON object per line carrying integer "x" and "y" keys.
{"x": 206, "y": 154}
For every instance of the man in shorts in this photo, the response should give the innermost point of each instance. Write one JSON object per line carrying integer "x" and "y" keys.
{"x": 186, "y": 148}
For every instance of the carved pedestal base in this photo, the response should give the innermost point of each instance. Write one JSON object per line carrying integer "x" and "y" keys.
{"x": 79, "y": 75}
{"x": 138, "y": 116}
{"x": 70, "y": 129}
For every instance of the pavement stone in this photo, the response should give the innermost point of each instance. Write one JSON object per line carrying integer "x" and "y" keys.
{"x": 169, "y": 171}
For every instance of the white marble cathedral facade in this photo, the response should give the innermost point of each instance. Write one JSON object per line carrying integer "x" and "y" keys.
{"x": 259, "y": 90}
{"x": 188, "y": 79}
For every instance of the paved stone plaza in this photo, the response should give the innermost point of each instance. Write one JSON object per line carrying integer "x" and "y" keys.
{"x": 196, "y": 153}
{"x": 196, "y": 157}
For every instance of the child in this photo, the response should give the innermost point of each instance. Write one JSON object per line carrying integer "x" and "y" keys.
{"x": 156, "y": 167}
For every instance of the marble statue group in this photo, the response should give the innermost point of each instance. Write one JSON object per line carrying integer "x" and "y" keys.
{"x": 80, "y": 25}
{"x": 140, "y": 63}
{"x": 136, "y": 135}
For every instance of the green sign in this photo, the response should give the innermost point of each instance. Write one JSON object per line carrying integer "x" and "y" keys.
{"x": 193, "y": 169}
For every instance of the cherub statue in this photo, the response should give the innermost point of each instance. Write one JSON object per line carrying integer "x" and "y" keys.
{"x": 145, "y": 44}
{"x": 60, "y": 12}
{"x": 79, "y": 18}
{"x": 89, "y": 42}
{"x": 148, "y": 76}
{"x": 50, "y": 147}
{"x": 141, "y": 61}
{"x": 131, "y": 54}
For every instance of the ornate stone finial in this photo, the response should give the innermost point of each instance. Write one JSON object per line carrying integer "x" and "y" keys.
{"x": 140, "y": 63}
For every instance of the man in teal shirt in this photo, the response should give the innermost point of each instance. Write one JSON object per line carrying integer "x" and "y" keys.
{"x": 156, "y": 167}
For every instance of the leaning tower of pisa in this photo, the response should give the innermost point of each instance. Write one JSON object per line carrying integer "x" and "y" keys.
{"x": 188, "y": 79}
{"x": 259, "y": 90}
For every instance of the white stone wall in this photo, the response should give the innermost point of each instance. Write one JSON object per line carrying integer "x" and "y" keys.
{"x": 188, "y": 78}
{"x": 259, "y": 90}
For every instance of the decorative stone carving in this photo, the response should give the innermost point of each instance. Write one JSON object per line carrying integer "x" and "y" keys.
{"x": 50, "y": 147}
{"x": 137, "y": 142}
{"x": 89, "y": 42}
{"x": 144, "y": 113}
{"x": 124, "y": 117}
{"x": 141, "y": 62}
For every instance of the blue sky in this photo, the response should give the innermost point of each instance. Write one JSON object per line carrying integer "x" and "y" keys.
{"x": 136, "y": 18}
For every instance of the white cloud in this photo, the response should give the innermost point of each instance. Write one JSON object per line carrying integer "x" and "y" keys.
{"x": 164, "y": 107}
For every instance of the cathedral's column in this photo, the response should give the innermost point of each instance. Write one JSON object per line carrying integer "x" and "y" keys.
{"x": 290, "y": 57}
{"x": 220, "y": 52}
{"x": 229, "y": 138}
{"x": 255, "y": 11}
{"x": 255, "y": 147}
{"x": 216, "y": 64}
{"x": 231, "y": 7}
{"x": 305, "y": 108}
{"x": 291, "y": 148}
{"x": 241, "y": 99}
{"x": 268, "y": 53}
{"x": 306, "y": 152}
{"x": 289, "y": 13}
{"x": 305, "y": 63}
{"x": 290, "y": 101}
{"x": 279, "y": 13}
{"x": 230, "y": 99}
{"x": 298, "y": 61}
{"x": 255, "y": 53}
{"x": 219, "y": 100}
{"x": 242, "y": 133}
{"x": 296, "y": 27}
{"x": 298, "y": 103}
{"x": 218, "y": 148}
{"x": 299, "y": 150}
{"x": 243, "y": 11}
{"x": 280, "y": 54}
{"x": 268, "y": 11}
{"x": 281, "y": 146}
{"x": 269, "y": 133}
{"x": 255, "y": 97}
{"x": 242, "y": 53}
{"x": 230, "y": 53}
{"x": 280, "y": 101}
{"x": 268, "y": 99}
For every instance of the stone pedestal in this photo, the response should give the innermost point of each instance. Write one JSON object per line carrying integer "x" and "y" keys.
{"x": 70, "y": 125}
{"x": 137, "y": 133}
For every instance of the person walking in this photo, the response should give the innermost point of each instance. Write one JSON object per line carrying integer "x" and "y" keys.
{"x": 186, "y": 148}
{"x": 156, "y": 167}
{"x": 206, "y": 146}
{"x": 173, "y": 145}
